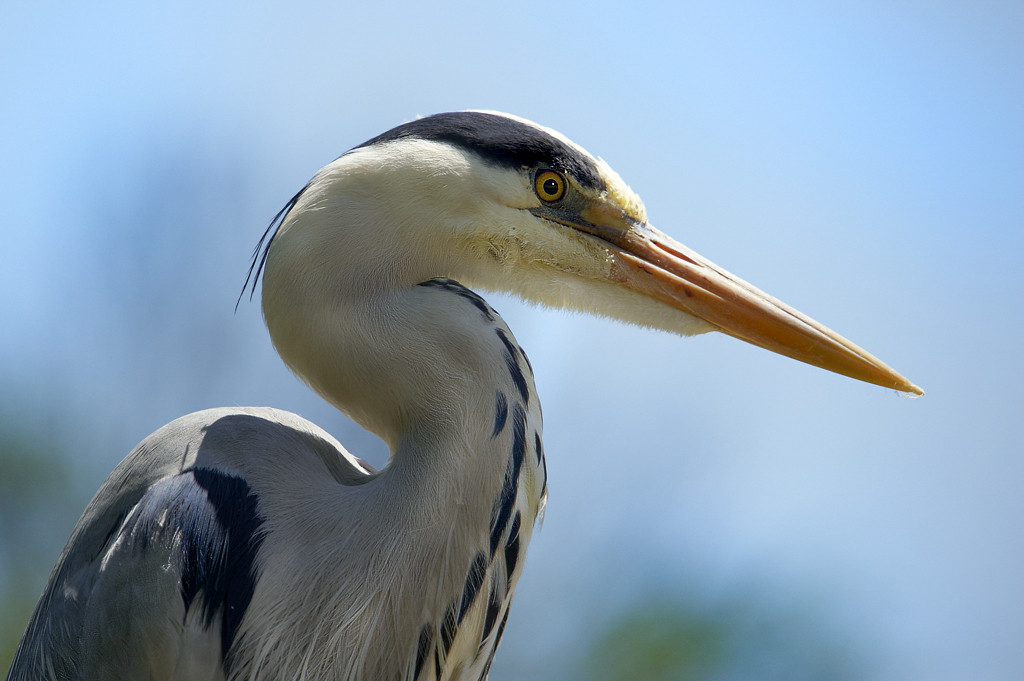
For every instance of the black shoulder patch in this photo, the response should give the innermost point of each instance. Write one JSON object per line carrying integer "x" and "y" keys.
{"x": 501, "y": 140}
{"x": 220, "y": 531}
{"x": 230, "y": 585}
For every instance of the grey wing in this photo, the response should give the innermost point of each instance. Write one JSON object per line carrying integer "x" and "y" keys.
{"x": 153, "y": 582}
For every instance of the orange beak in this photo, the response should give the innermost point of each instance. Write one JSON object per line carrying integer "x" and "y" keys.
{"x": 657, "y": 266}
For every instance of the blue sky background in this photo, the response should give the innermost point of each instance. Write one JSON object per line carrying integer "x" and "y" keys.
{"x": 862, "y": 161}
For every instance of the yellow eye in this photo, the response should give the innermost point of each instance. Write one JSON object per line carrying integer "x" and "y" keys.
{"x": 549, "y": 185}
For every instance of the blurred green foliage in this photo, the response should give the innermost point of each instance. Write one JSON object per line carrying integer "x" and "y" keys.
{"x": 672, "y": 639}
{"x": 659, "y": 643}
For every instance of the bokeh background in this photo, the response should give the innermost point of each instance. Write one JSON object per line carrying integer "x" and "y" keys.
{"x": 716, "y": 512}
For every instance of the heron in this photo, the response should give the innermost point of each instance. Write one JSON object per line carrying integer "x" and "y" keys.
{"x": 247, "y": 543}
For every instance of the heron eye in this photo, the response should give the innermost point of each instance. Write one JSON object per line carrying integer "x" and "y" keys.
{"x": 549, "y": 185}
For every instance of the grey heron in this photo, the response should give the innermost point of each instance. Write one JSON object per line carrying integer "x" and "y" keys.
{"x": 247, "y": 543}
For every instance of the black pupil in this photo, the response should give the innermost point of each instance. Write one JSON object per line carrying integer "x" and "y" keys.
{"x": 550, "y": 187}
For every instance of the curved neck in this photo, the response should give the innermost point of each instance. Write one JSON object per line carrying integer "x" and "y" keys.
{"x": 436, "y": 373}
{"x": 354, "y": 307}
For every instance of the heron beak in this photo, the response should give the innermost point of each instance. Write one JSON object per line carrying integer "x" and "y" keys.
{"x": 657, "y": 266}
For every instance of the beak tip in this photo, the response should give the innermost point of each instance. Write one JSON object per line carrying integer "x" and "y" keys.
{"x": 906, "y": 387}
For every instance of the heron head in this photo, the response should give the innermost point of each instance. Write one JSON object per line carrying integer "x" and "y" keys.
{"x": 504, "y": 204}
